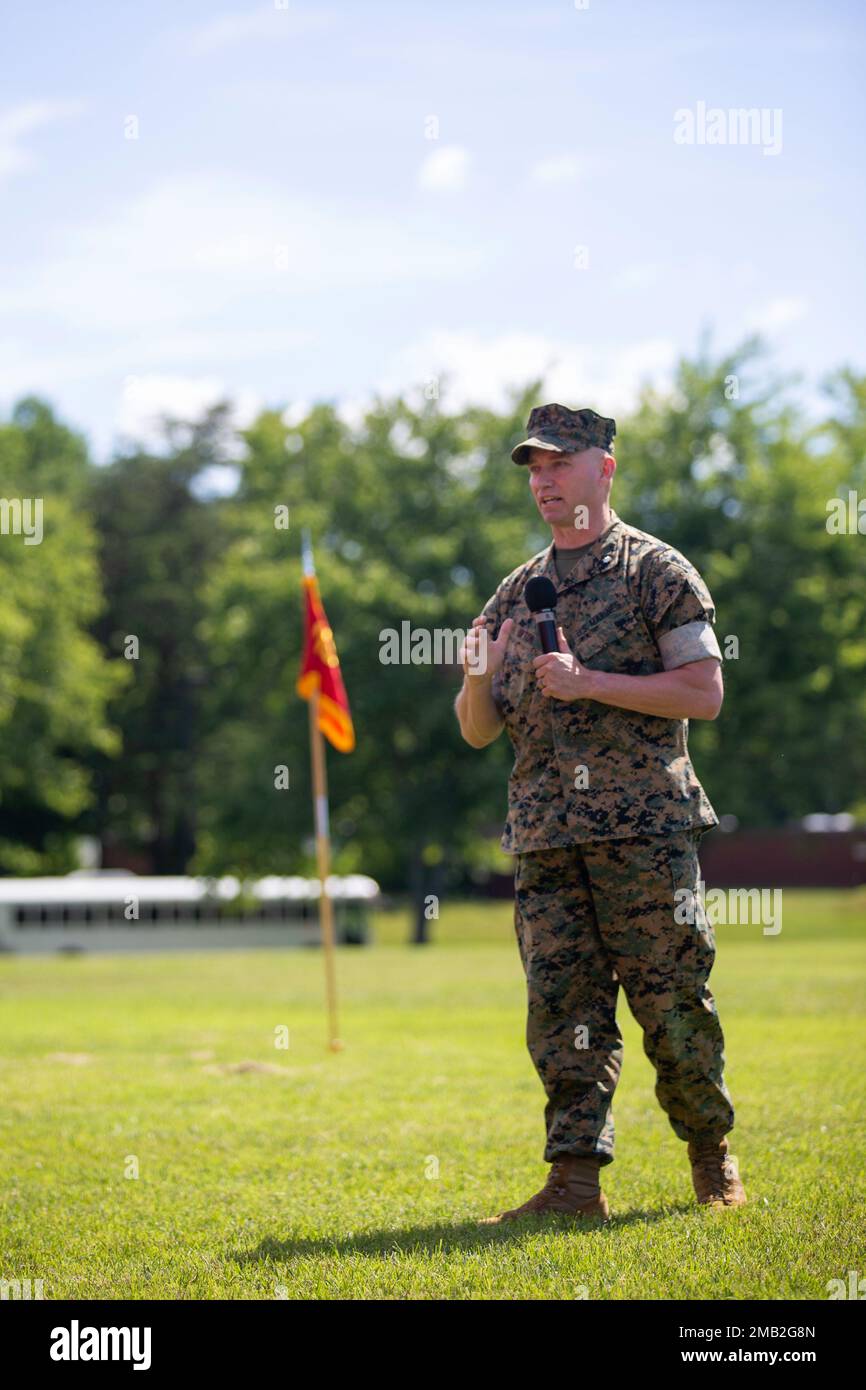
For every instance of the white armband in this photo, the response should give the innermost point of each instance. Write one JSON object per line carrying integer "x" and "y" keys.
{"x": 691, "y": 642}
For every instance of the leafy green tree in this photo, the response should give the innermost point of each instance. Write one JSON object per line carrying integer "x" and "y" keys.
{"x": 414, "y": 518}
{"x": 416, "y": 514}
{"x": 727, "y": 470}
{"x": 55, "y": 682}
{"x": 160, "y": 535}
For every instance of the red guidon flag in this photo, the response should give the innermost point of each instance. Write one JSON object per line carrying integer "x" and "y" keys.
{"x": 320, "y": 668}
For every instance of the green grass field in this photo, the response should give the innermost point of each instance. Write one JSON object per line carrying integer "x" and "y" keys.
{"x": 315, "y": 1176}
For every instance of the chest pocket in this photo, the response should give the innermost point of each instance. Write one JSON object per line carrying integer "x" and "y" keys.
{"x": 619, "y": 642}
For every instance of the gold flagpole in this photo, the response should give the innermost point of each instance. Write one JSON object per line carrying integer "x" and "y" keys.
{"x": 323, "y": 858}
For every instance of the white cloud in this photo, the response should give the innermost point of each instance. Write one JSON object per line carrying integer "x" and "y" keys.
{"x": 144, "y": 399}
{"x": 473, "y": 371}
{"x": 24, "y": 369}
{"x": 17, "y": 122}
{"x": 779, "y": 313}
{"x": 559, "y": 168}
{"x": 194, "y": 245}
{"x": 195, "y": 281}
{"x": 219, "y": 345}
{"x": 445, "y": 170}
{"x": 268, "y": 22}
{"x": 639, "y": 276}
{"x": 478, "y": 370}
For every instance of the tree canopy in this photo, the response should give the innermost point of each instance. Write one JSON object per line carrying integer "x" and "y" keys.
{"x": 416, "y": 514}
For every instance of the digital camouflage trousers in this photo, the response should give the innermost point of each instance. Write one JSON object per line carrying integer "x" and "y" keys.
{"x": 592, "y": 917}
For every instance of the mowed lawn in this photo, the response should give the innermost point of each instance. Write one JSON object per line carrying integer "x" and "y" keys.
{"x": 358, "y": 1174}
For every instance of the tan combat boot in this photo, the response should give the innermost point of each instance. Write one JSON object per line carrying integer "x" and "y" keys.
{"x": 568, "y": 1190}
{"x": 714, "y": 1175}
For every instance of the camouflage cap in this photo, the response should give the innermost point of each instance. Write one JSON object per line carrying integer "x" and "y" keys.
{"x": 564, "y": 431}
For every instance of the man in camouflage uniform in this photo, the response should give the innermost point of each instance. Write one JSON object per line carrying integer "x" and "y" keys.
{"x": 605, "y": 815}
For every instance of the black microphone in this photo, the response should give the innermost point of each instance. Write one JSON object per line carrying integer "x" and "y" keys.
{"x": 540, "y": 596}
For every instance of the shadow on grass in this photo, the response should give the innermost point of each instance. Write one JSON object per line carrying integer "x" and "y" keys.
{"x": 444, "y": 1235}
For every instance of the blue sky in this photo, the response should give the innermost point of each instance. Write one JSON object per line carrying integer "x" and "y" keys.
{"x": 325, "y": 201}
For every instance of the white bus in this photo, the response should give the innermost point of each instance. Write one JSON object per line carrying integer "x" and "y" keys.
{"x": 113, "y": 910}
